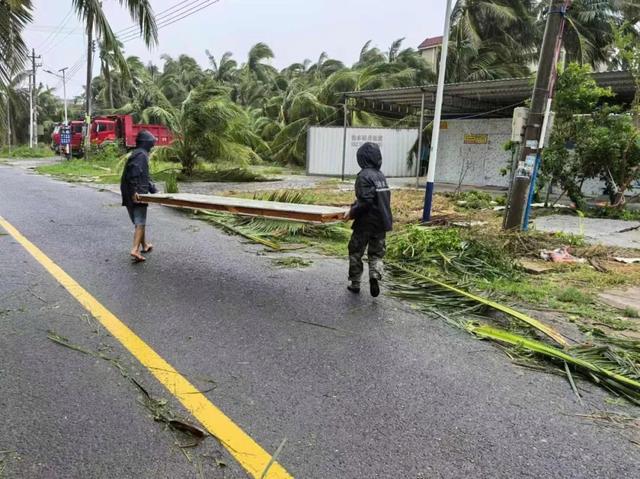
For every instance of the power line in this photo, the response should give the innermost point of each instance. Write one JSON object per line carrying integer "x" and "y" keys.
{"x": 194, "y": 7}
{"x": 171, "y": 21}
{"x": 159, "y": 16}
{"x": 57, "y": 29}
{"x": 56, "y": 44}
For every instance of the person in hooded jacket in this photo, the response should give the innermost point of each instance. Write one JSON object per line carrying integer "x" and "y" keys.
{"x": 137, "y": 181}
{"x": 372, "y": 217}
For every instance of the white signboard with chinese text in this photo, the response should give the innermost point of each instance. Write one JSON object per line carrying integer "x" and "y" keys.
{"x": 324, "y": 150}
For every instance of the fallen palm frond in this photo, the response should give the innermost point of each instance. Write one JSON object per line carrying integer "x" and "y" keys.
{"x": 600, "y": 364}
{"x": 287, "y": 229}
{"x": 217, "y": 219}
{"x": 287, "y": 196}
{"x": 269, "y": 232}
{"x": 452, "y": 250}
{"x": 157, "y": 407}
{"x": 540, "y": 326}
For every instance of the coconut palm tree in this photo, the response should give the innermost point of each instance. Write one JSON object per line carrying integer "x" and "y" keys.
{"x": 591, "y": 25}
{"x": 493, "y": 39}
{"x": 224, "y": 71}
{"x": 95, "y": 21}
{"x": 179, "y": 77}
{"x": 14, "y": 15}
{"x": 15, "y": 99}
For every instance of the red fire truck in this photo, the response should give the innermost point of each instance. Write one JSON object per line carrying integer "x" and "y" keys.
{"x": 111, "y": 128}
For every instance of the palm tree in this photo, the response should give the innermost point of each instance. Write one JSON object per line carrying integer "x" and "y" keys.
{"x": 493, "y": 39}
{"x": 224, "y": 71}
{"x": 369, "y": 56}
{"x": 14, "y": 15}
{"x": 324, "y": 68}
{"x": 95, "y": 20}
{"x": 179, "y": 77}
{"x": 591, "y": 25}
{"x": 109, "y": 61}
{"x": 15, "y": 99}
{"x": 255, "y": 62}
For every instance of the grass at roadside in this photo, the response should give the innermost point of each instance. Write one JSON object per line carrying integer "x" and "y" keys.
{"x": 107, "y": 169}
{"x": 24, "y": 152}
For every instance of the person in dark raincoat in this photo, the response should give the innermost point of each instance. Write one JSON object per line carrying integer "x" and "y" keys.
{"x": 372, "y": 217}
{"x": 137, "y": 181}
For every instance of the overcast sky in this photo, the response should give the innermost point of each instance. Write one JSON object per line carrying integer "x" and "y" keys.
{"x": 294, "y": 29}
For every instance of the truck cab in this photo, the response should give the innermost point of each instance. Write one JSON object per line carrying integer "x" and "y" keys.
{"x": 103, "y": 130}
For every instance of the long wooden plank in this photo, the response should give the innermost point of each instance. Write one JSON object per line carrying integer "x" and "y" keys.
{"x": 249, "y": 207}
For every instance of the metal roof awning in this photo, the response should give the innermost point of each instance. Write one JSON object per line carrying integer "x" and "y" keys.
{"x": 487, "y": 99}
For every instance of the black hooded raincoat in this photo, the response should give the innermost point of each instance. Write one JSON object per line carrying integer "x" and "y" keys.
{"x": 372, "y": 209}
{"x": 135, "y": 177}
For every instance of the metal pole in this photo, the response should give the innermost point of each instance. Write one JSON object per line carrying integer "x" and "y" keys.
{"x": 344, "y": 140}
{"x": 419, "y": 155}
{"x": 435, "y": 137}
{"x": 64, "y": 93}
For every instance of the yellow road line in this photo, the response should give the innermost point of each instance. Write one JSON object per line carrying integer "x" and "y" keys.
{"x": 246, "y": 451}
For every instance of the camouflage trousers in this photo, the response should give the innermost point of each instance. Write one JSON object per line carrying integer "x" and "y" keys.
{"x": 357, "y": 246}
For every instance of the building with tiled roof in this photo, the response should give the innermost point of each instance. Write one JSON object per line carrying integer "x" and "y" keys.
{"x": 430, "y": 50}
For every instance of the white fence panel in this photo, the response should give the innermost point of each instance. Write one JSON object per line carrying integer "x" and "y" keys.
{"x": 324, "y": 150}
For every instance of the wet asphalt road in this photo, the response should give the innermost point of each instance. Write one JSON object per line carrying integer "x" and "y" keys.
{"x": 387, "y": 393}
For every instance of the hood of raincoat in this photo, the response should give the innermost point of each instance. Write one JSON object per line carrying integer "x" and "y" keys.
{"x": 369, "y": 156}
{"x": 145, "y": 140}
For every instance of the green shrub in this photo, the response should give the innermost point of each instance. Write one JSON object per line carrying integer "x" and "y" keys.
{"x": 630, "y": 312}
{"x": 171, "y": 183}
{"x": 474, "y": 200}
{"x": 106, "y": 153}
{"x": 573, "y": 295}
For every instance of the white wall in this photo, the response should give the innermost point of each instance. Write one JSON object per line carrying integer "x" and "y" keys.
{"x": 324, "y": 149}
{"x": 478, "y": 164}
{"x": 481, "y": 162}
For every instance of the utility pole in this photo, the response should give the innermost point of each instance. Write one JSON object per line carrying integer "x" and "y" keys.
{"x": 33, "y": 101}
{"x": 8, "y": 122}
{"x": 64, "y": 88}
{"x": 30, "y": 110}
{"x": 529, "y": 159}
{"x": 64, "y": 93}
{"x": 87, "y": 119}
{"x": 11, "y": 70}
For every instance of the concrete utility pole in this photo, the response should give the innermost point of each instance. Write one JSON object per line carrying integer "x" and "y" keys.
{"x": 30, "y": 110}
{"x": 87, "y": 119}
{"x": 10, "y": 63}
{"x": 545, "y": 83}
{"x": 33, "y": 101}
{"x": 64, "y": 93}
